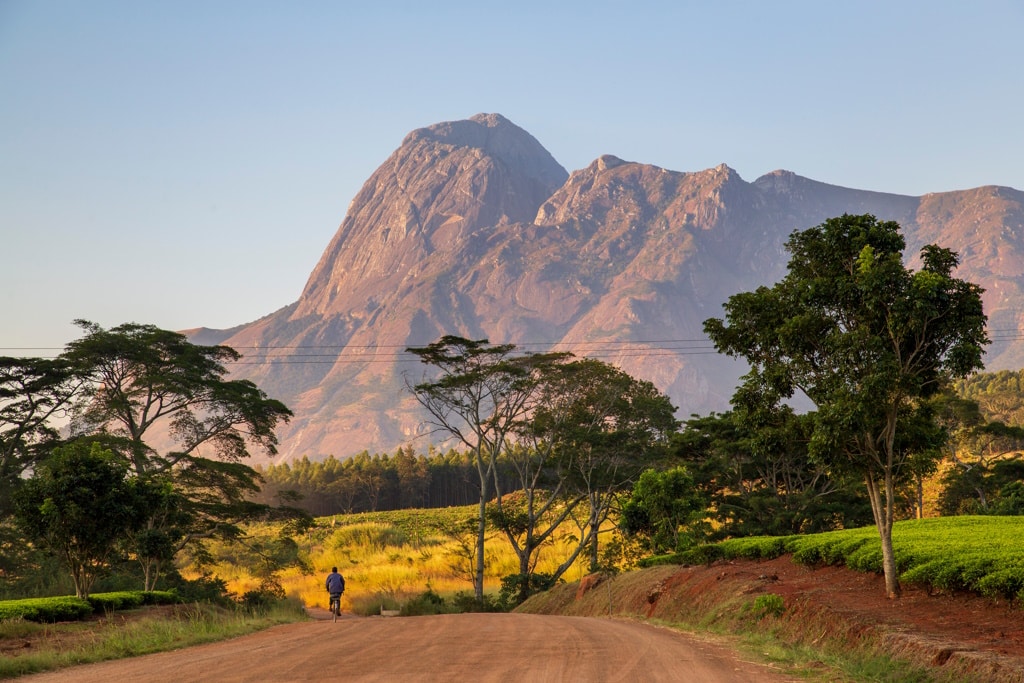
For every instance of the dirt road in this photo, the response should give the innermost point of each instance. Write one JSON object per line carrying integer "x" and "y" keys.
{"x": 472, "y": 647}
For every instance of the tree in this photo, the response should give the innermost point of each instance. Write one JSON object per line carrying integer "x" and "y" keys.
{"x": 660, "y": 509}
{"x": 985, "y": 457}
{"x": 482, "y": 391}
{"x": 757, "y": 475}
{"x": 867, "y": 340}
{"x": 594, "y": 430}
{"x": 144, "y": 379}
{"x": 79, "y": 504}
{"x": 146, "y": 386}
{"x": 34, "y": 392}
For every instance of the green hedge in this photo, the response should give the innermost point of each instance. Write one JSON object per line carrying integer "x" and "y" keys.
{"x": 46, "y": 609}
{"x": 67, "y": 608}
{"x": 981, "y": 554}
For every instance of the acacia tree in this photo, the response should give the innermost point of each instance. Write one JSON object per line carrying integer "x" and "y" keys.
{"x": 867, "y": 340}
{"x": 756, "y": 473}
{"x": 34, "y": 392}
{"x": 166, "y": 406}
{"x": 142, "y": 378}
{"x": 482, "y": 391}
{"x": 600, "y": 427}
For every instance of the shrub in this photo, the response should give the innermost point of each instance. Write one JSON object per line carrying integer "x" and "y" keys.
{"x": 47, "y": 610}
{"x": 516, "y": 588}
{"x": 108, "y": 602}
{"x": 206, "y": 588}
{"x": 258, "y": 601}
{"x": 425, "y": 604}
{"x": 467, "y": 602}
{"x": 768, "y": 604}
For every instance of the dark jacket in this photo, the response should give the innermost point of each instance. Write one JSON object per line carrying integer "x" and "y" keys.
{"x": 335, "y": 583}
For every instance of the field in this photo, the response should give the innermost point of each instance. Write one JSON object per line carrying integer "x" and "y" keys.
{"x": 390, "y": 557}
{"x": 810, "y": 609}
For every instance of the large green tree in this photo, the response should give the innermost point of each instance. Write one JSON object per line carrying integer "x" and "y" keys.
{"x": 661, "y": 509}
{"x": 591, "y": 432}
{"x": 144, "y": 380}
{"x": 79, "y": 504}
{"x": 866, "y": 339}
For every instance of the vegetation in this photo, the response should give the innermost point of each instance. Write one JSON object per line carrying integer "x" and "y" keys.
{"x": 757, "y": 476}
{"x": 79, "y": 505}
{"x": 100, "y": 491}
{"x": 133, "y": 633}
{"x": 978, "y": 554}
{"x": 70, "y": 609}
{"x": 661, "y": 509}
{"x": 868, "y": 341}
{"x": 391, "y": 559}
{"x": 573, "y": 433}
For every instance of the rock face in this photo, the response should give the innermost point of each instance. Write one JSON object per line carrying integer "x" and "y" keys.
{"x": 472, "y": 228}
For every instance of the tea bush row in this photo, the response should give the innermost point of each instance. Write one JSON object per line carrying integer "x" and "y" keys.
{"x": 978, "y": 554}
{"x": 68, "y": 608}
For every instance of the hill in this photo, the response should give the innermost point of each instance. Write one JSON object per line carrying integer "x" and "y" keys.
{"x": 473, "y": 228}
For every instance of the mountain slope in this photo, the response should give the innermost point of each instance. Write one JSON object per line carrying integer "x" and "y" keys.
{"x": 472, "y": 228}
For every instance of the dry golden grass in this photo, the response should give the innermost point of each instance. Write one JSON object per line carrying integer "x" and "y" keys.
{"x": 391, "y": 558}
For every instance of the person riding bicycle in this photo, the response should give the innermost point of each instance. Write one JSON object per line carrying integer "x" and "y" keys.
{"x": 335, "y": 587}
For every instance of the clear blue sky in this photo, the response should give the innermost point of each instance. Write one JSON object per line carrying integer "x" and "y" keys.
{"x": 185, "y": 163}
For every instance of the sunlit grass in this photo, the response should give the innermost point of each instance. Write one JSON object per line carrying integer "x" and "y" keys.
{"x": 118, "y": 637}
{"x": 389, "y": 557}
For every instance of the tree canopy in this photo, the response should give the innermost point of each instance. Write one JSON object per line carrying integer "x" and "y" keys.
{"x": 80, "y": 504}
{"x": 866, "y": 339}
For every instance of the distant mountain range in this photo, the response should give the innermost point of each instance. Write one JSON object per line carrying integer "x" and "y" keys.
{"x": 473, "y": 228}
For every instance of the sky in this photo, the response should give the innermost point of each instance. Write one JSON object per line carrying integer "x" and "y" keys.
{"x": 185, "y": 163}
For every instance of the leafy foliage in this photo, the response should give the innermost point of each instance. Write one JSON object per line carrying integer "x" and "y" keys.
{"x": 79, "y": 505}
{"x": 759, "y": 479}
{"x": 664, "y": 509}
{"x": 867, "y": 341}
{"x": 979, "y": 554}
{"x": 65, "y": 608}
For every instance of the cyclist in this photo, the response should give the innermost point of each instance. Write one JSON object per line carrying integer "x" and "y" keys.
{"x": 335, "y": 587}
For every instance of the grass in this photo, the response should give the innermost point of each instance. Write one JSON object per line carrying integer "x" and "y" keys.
{"x": 391, "y": 558}
{"x": 138, "y": 632}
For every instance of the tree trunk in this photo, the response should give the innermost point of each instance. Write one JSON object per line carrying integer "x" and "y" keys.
{"x": 595, "y": 526}
{"x": 882, "y": 511}
{"x": 481, "y": 531}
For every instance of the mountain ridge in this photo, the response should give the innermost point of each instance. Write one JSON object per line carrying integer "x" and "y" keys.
{"x": 472, "y": 228}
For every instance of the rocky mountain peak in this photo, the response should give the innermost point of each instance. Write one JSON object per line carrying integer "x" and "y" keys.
{"x": 472, "y": 228}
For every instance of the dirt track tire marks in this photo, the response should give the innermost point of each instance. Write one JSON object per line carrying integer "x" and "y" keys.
{"x": 483, "y": 648}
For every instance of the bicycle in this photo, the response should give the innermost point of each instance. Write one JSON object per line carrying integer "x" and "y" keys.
{"x": 335, "y": 606}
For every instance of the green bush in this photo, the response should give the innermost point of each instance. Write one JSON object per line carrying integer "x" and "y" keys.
{"x": 1002, "y": 583}
{"x": 48, "y": 610}
{"x": 160, "y": 598}
{"x": 768, "y": 604}
{"x": 425, "y": 604}
{"x": 109, "y": 602}
{"x": 516, "y": 588}
{"x": 467, "y": 602}
{"x": 261, "y": 599}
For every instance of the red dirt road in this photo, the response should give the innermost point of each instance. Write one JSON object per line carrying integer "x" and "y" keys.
{"x": 470, "y": 647}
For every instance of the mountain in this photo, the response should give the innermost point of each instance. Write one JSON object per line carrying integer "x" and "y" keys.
{"x": 472, "y": 228}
